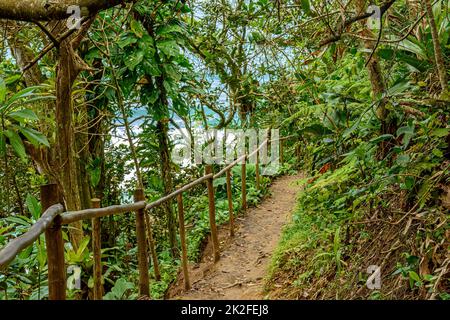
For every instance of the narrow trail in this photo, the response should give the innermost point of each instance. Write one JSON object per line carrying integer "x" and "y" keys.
{"x": 245, "y": 258}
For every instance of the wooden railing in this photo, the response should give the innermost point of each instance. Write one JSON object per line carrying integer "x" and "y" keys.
{"x": 54, "y": 218}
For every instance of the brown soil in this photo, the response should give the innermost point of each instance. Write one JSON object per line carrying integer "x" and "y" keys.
{"x": 245, "y": 258}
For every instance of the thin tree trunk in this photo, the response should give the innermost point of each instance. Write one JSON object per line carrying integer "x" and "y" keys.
{"x": 6, "y": 174}
{"x": 162, "y": 133}
{"x": 96, "y": 139}
{"x": 438, "y": 57}
{"x": 19, "y": 197}
{"x": 126, "y": 124}
{"x": 162, "y": 130}
{"x": 82, "y": 147}
{"x": 377, "y": 82}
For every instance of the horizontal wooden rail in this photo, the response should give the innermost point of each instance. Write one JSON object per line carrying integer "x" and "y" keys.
{"x": 52, "y": 219}
{"x": 15, "y": 246}
{"x": 256, "y": 150}
{"x": 284, "y": 138}
{"x": 230, "y": 166}
{"x": 73, "y": 216}
{"x": 177, "y": 192}
{"x": 239, "y": 160}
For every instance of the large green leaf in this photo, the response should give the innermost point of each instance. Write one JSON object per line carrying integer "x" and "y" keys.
{"x": 35, "y": 137}
{"x": 34, "y": 99}
{"x": 306, "y": 6}
{"x": 382, "y": 138}
{"x": 440, "y": 132}
{"x": 407, "y": 132}
{"x": 219, "y": 181}
{"x": 42, "y": 254}
{"x": 398, "y": 88}
{"x": 411, "y": 46}
{"x": 2, "y": 144}
{"x": 83, "y": 245}
{"x": 20, "y": 220}
{"x": 134, "y": 59}
{"x": 317, "y": 129}
{"x": 33, "y": 206}
{"x": 20, "y": 95}
{"x": 2, "y": 90}
{"x": 95, "y": 171}
{"x": 22, "y": 115}
{"x": 16, "y": 144}
{"x": 126, "y": 39}
{"x": 403, "y": 160}
{"x": 172, "y": 72}
{"x": 169, "y": 47}
{"x": 151, "y": 68}
{"x": 13, "y": 78}
{"x": 419, "y": 65}
{"x": 137, "y": 28}
{"x": 166, "y": 29}
{"x": 119, "y": 290}
{"x": 405, "y": 57}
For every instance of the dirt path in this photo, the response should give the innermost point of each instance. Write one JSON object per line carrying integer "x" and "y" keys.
{"x": 245, "y": 258}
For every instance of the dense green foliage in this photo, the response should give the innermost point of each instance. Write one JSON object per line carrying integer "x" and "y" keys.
{"x": 389, "y": 210}
{"x": 366, "y": 109}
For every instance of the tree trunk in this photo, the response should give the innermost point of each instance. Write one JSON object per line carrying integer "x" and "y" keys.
{"x": 40, "y": 10}
{"x": 95, "y": 129}
{"x": 162, "y": 133}
{"x": 162, "y": 130}
{"x": 67, "y": 71}
{"x": 82, "y": 147}
{"x": 68, "y": 68}
{"x": 440, "y": 65}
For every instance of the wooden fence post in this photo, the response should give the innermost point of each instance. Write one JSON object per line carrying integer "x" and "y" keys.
{"x": 230, "y": 203}
{"x": 187, "y": 283}
{"x": 144, "y": 287}
{"x": 96, "y": 248}
{"x": 212, "y": 214}
{"x": 244, "y": 185}
{"x": 257, "y": 170}
{"x": 151, "y": 243}
{"x": 55, "y": 247}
